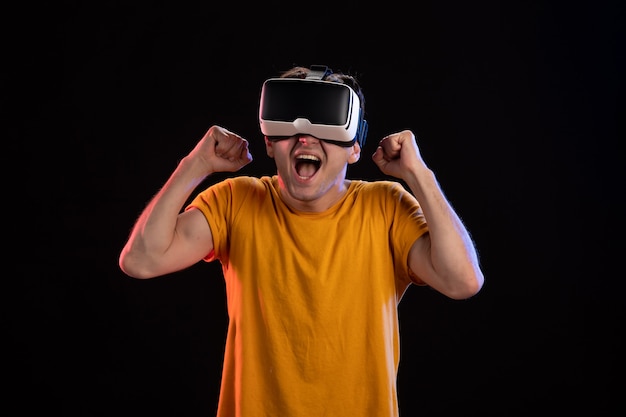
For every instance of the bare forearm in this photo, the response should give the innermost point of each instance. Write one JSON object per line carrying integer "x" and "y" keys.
{"x": 163, "y": 239}
{"x": 155, "y": 228}
{"x": 453, "y": 256}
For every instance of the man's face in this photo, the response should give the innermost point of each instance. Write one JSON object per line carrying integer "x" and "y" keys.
{"x": 311, "y": 172}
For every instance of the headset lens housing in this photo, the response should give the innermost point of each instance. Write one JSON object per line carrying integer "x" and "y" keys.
{"x": 326, "y": 110}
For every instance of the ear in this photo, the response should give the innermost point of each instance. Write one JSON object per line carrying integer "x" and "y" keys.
{"x": 355, "y": 153}
{"x": 268, "y": 147}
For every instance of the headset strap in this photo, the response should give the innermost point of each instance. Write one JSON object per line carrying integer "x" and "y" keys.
{"x": 318, "y": 72}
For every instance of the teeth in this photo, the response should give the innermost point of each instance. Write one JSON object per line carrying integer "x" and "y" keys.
{"x": 308, "y": 157}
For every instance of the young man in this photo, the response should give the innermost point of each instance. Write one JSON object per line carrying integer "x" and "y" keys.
{"x": 315, "y": 264}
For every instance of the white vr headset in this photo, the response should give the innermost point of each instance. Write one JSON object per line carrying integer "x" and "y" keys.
{"x": 330, "y": 111}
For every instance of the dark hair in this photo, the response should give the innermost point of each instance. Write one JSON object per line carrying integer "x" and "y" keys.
{"x": 338, "y": 77}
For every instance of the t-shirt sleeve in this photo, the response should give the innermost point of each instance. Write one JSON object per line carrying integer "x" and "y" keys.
{"x": 215, "y": 202}
{"x": 409, "y": 224}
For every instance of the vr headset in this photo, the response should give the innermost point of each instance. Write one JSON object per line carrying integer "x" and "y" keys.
{"x": 330, "y": 111}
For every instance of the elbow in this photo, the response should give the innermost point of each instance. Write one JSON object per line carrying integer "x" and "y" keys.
{"x": 132, "y": 268}
{"x": 468, "y": 286}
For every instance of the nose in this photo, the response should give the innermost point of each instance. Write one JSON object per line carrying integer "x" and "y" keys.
{"x": 307, "y": 139}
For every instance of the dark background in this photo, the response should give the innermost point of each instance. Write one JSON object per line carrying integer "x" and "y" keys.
{"x": 517, "y": 107}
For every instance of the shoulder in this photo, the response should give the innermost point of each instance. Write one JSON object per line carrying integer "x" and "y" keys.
{"x": 385, "y": 194}
{"x": 234, "y": 193}
{"x": 380, "y": 187}
{"x": 244, "y": 183}
{"x": 244, "y": 188}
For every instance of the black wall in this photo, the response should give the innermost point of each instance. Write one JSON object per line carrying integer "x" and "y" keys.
{"x": 517, "y": 107}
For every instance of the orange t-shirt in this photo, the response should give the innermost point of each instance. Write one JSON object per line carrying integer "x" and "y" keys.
{"x": 312, "y": 297}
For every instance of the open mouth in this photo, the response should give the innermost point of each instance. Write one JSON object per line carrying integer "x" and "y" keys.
{"x": 307, "y": 166}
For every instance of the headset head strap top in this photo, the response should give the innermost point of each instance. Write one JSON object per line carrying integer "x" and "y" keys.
{"x": 318, "y": 72}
